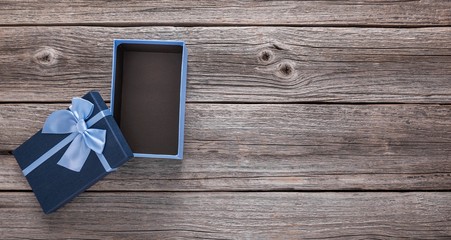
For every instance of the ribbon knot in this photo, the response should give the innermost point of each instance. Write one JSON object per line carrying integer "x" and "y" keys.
{"x": 85, "y": 138}
{"x": 81, "y": 126}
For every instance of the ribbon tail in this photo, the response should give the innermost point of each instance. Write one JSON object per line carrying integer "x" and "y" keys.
{"x": 76, "y": 154}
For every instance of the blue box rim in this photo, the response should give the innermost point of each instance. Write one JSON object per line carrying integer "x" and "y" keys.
{"x": 117, "y": 42}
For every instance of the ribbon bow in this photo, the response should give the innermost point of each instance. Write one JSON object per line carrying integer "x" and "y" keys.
{"x": 85, "y": 138}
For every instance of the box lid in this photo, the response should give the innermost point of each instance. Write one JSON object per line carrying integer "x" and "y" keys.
{"x": 53, "y": 184}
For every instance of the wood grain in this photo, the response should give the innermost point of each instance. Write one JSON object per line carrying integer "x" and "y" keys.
{"x": 312, "y": 13}
{"x": 239, "y": 64}
{"x": 296, "y": 125}
{"x": 276, "y": 147}
{"x": 229, "y": 215}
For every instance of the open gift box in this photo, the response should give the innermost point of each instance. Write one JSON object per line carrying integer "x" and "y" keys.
{"x": 82, "y": 144}
{"x": 148, "y": 95}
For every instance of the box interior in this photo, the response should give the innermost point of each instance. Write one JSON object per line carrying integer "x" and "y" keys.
{"x": 147, "y": 96}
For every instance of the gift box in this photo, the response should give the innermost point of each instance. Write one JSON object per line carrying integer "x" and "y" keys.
{"x": 76, "y": 148}
{"x": 148, "y": 95}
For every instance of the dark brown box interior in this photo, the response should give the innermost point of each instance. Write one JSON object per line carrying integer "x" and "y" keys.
{"x": 147, "y": 96}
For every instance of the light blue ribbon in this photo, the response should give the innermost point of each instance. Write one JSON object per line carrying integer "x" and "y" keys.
{"x": 82, "y": 138}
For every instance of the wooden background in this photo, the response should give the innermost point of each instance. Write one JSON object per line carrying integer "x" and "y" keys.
{"x": 304, "y": 119}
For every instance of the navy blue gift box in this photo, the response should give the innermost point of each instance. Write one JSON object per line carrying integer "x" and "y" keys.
{"x": 59, "y": 166}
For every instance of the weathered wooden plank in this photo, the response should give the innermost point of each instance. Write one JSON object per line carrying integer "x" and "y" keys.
{"x": 195, "y": 175}
{"x": 227, "y": 215}
{"x": 278, "y": 147}
{"x": 240, "y": 64}
{"x": 338, "y": 13}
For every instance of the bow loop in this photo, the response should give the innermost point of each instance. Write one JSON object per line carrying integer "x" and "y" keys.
{"x": 81, "y": 108}
{"x": 60, "y": 122}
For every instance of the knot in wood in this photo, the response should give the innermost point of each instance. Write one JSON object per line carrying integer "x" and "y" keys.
{"x": 266, "y": 56}
{"x": 46, "y": 56}
{"x": 285, "y": 69}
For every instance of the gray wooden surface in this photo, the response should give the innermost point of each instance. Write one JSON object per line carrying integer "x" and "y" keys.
{"x": 241, "y": 64}
{"x": 305, "y": 119}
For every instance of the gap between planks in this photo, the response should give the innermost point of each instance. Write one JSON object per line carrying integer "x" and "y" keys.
{"x": 256, "y": 102}
{"x": 206, "y": 25}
